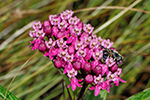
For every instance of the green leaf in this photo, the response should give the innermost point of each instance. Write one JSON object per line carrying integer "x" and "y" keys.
{"x": 9, "y": 95}
{"x": 145, "y": 95}
{"x": 101, "y": 96}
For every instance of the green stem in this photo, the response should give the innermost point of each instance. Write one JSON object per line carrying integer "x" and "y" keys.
{"x": 82, "y": 91}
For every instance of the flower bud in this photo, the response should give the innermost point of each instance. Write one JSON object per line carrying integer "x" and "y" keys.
{"x": 46, "y": 23}
{"x": 47, "y": 30}
{"x": 55, "y": 31}
{"x": 104, "y": 85}
{"x": 71, "y": 49}
{"x": 58, "y": 63}
{"x": 97, "y": 70}
{"x": 77, "y": 65}
{"x": 59, "y": 35}
{"x": 89, "y": 79}
{"x": 47, "y": 27}
{"x": 87, "y": 67}
{"x": 114, "y": 68}
{"x": 80, "y": 24}
{"x": 42, "y": 47}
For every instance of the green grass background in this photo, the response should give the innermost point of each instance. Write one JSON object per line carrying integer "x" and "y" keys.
{"x": 39, "y": 79}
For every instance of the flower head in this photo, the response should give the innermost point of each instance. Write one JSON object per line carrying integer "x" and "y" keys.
{"x": 63, "y": 25}
{"x": 74, "y": 83}
{"x": 50, "y": 44}
{"x": 73, "y": 20}
{"x": 82, "y": 56}
{"x": 107, "y": 43}
{"x": 72, "y": 73}
{"x": 66, "y": 14}
{"x": 37, "y": 25}
{"x": 88, "y": 28}
{"x": 32, "y": 34}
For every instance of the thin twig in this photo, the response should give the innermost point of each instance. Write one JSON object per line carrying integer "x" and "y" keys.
{"x": 31, "y": 11}
{"x": 63, "y": 89}
{"x": 70, "y": 97}
{"x": 18, "y": 72}
{"x": 87, "y": 9}
{"x": 116, "y": 17}
{"x": 111, "y": 7}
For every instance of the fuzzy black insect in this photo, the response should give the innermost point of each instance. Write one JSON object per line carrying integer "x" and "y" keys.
{"x": 111, "y": 54}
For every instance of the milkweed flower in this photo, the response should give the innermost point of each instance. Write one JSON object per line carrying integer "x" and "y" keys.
{"x": 82, "y": 56}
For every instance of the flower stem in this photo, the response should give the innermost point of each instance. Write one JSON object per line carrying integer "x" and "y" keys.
{"x": 82, "y": 91}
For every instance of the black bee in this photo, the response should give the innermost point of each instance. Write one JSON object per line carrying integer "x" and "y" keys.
{"x": 117, "y": 57}
{"x": 111, "y": 54}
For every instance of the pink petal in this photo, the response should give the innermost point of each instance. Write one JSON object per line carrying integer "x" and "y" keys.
{"x": 116, "y": 82}
{"x": 65, "y": 71}
{"x": 121, "y": 80}
{"x": 36, "y": 45}
{"x": 55, "y": 31}
{"x": 92, "y": 88}
{"x": 70, "y": 39}
{"x": 83, "y": 62}
{"x": 97, "y": 90}
{"x": 69, "y": 85}
{"x": 73, "y": 86}
{"x": 51, "y": 57}
{"x": 76, "y": 82}
{"x": 104, "y": 85}
{"x": 54, "y": 52}
{"x": 110, "y": 44}
{"x": 46, "y": 54}
{"x": 94, "y": 63}
{"x": 88, "y": 54}
{"x": 120, "y": 70}
{"x": 74, "y": 41}
{"x": 80, "y": 80}
{"x": 108, "y": 88}
{"x": 105, "y": 69}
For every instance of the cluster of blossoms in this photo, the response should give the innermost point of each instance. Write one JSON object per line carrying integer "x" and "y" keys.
{"x": 73, "y": 48}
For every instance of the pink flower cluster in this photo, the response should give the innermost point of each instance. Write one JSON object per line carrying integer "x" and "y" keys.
{"x": 73, "y": 48}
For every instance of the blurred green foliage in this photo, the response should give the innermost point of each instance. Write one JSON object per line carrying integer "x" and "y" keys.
{"x": 141, "y": 96}
{"x": 9, "y": 96}
{"x": 39, "y": 79}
